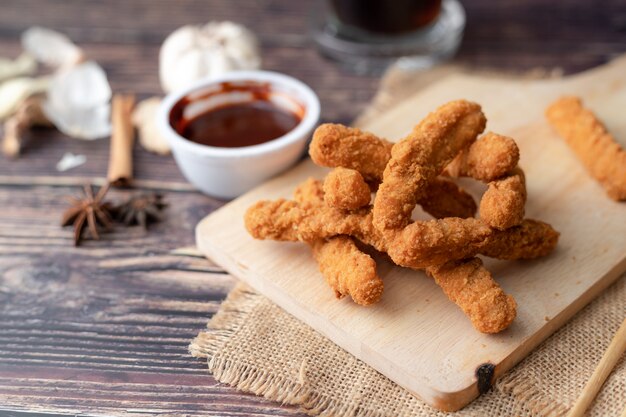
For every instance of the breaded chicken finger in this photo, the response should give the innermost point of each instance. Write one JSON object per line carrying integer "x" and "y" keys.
{"x": 502, "y": 205}
{"x": 335, "y": 145}
{"x": 419, "y": 245}
{"x": 420, "y": 157}
{"x": 446, "y": 199}
{"x": 531, "y": 239}
{"x": 338, "y": 146}
{"x": 489, "y": 158}
{"x": 347, "y": 270}
{"x": 346, "y": 189}
{"x": 598, "y": 151}
{"x": 470, "y": 285}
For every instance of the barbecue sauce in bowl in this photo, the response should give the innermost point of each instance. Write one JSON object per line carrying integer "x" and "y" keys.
{"x": 251, "y": 118}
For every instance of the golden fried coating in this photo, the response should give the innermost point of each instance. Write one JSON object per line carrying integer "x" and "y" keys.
{"x": 347, "y": 270}
{"x": 419, "y": 245}
{"x": 346, "y": 189}
{"x": 310, "y": 192}
{"x": 420, "y": 157}
{"x": 489, "y": 158}
{"x": 443, "y": 198}
{"x": 335, "y": 145}
{"x": 531, "y": 239}
{"x": 286, "y": 220}
{"x": 602, "y": 156}
{"x": 434, "y": 242}
{"x": 470, "y": 285}
{"x": 502, "y": 205}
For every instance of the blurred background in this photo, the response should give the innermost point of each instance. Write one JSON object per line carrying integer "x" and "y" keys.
{"x": 125, "y": 36}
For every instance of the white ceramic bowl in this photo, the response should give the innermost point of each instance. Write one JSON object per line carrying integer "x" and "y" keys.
{"x": 229, "y": 172}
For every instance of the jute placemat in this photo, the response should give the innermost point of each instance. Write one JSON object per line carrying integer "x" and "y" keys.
{"x": 255, "y": 346}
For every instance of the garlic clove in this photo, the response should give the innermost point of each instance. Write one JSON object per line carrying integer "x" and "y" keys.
{"x": 23, "y": 65}
{"x": 89, "y": 123}
{"x": 51, "y": 47}
{"x": 144, "y": 119}
{"x": 70, "y": 161}
{"x": 83, "y": 85}
{"x": 79, "y": 101}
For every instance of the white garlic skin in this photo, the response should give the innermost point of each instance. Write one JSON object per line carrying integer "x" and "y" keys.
{"x": 78, "y": 102}
{"x": 51, "y": 47}
{"x": 194, "y": 52}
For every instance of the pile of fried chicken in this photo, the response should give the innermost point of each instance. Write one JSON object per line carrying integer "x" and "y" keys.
{"x": 366, "y": 202}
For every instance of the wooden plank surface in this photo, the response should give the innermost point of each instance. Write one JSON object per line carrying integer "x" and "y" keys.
{"x": 112, "y": 319}
{"x": 415, "y": 336}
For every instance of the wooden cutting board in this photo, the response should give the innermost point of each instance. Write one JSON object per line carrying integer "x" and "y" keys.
{"x": 415, "y": 335}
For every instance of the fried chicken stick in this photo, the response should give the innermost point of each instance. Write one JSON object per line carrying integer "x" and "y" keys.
{"x": 340, "y": 146}
{"x": 466, "y": 282}
{"x": 488, "y": 158}
{"x": 347, "y": 270}
{"x": 422, "y": 244}
{"x": 602, "y": 156}
{"x": 503, "y": 204}
{"x": 351, "y": 272}
{"x": 446, "y": 199}
{"x": 336, "y": 145}
{"x": 420, "y": 157}
{"x": 470, "y": 285}
{"x": 346, "y": 189}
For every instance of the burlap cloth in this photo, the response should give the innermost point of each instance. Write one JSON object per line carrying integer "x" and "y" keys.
{"x": 255, "y": 346}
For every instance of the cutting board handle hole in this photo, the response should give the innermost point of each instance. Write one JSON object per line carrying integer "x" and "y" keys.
{"x": 484, "y": 374}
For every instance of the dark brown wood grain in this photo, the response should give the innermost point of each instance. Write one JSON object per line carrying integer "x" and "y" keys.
{"x": 103, "y": 329}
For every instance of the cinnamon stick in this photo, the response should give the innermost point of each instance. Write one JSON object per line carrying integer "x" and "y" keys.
{"x": 120, "y": 173}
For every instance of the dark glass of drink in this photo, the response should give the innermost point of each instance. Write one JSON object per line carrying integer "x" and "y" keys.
{"x": 385, "y": 17}
{"x": 368, "y": 35}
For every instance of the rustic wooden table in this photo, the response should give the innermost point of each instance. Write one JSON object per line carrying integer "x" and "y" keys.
{"x": 103, "y": 329}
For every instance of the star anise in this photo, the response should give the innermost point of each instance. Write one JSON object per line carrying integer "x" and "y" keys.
{"x": 141, "y": 209}
{"x": 88, "y": 212}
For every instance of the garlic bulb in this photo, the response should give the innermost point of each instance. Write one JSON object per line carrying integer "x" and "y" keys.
{"x": 193, "y": 52}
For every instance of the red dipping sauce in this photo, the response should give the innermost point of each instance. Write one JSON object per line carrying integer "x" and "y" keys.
{"x": 252, "y": 117}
